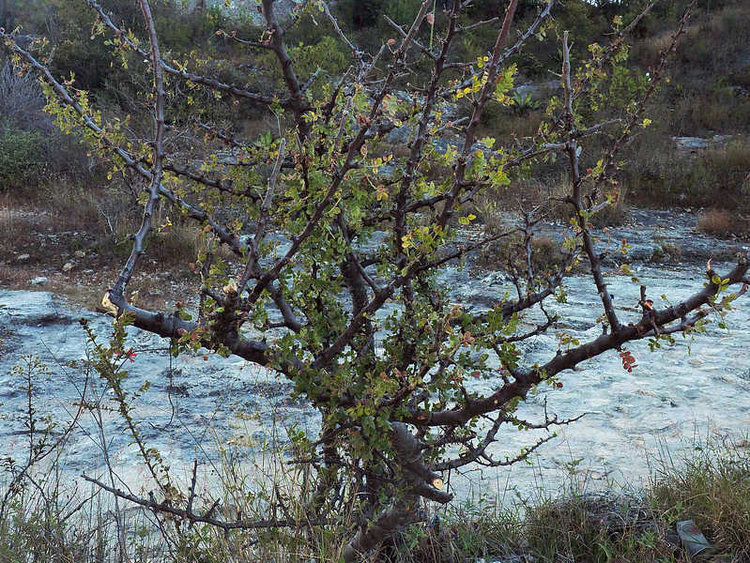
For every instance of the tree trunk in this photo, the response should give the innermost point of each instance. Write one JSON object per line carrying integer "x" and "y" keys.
{"x": 379, "y": 531}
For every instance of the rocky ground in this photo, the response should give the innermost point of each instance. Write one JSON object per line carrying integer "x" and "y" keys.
{"x": 39, "y": 251}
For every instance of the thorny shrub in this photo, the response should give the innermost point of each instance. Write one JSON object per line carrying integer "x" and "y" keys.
{"x": 337, "y": 243}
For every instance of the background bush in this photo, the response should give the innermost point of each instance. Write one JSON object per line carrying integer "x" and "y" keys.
{"x": 22, "y": 158}
{"x": 32, "y": 150}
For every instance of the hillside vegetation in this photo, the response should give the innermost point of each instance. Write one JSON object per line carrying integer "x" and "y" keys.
{"x": 706, "y": 95}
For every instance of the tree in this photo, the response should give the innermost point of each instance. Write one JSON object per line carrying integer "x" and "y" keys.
{"x": 363, "y": 327}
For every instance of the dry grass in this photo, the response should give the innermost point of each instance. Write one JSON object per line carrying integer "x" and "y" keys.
{"x": 78, "y": 239}
{"x": 12, "y": 276}
{"x": 713, "y": 489}
{"x": 510, "y": 254}
{"x": 710, "y": 38}
{"x": 716, "y": 222}
{"x": 695, "y": 113}
{"x": 724, "y": 223}
{"x": 707, "y": 95}
{"x": 175, "y": 245}
{"x": 658, "y": 174}
{"x": 597, "y": 528}
{"x": 505, "y": 125}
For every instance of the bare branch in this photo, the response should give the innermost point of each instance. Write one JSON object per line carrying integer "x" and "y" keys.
{"x": 356, "y": 53}
{"x": 211, "y": 83}
{"x": 139, "y": 239}
{"x": 298, "y": 102}
{"x": 574, "y": 151}
{"x": 509, "y": 52}
{"x": 571, "y": 358}
{"x": 190, "y": 516}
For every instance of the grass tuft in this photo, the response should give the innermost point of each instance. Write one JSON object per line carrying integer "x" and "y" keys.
{"x": 712, "y": 489}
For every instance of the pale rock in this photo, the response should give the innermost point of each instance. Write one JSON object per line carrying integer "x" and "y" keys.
{"x": 68, "y": 266}
{"x": 40, "y": 280}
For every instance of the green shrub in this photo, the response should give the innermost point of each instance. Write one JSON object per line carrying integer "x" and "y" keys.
{"x": 31, "y": 148}
{"x": 360, "y": 14}
{"x": 402, "y": 11}
{"x": 327, "y": 54}
{"x": 23, "y": 160}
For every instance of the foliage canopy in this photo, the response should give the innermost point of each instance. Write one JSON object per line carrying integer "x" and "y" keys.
{"x": 337, "y": 233}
